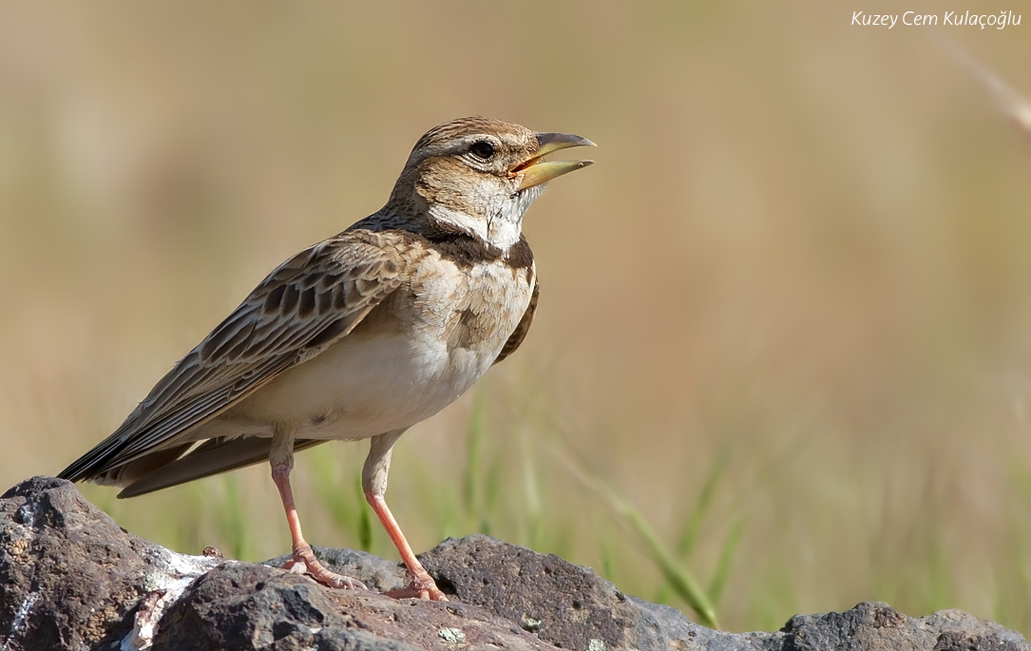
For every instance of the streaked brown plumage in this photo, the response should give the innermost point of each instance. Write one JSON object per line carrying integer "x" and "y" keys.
{"x": 359, "y": 336}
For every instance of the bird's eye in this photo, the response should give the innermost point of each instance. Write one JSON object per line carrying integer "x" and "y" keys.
{"x": 482, "y": 149}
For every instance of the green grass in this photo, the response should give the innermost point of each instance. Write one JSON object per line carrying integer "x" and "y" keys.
{"x": 674, "y": 570}
{"x": 504, "y": 489}
{"x": 507, "y": 486}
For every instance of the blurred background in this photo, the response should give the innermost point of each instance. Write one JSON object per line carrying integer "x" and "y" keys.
{"x": 786, "y": 318}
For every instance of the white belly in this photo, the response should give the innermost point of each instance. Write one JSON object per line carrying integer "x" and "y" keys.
{"x": 364, "y": 386}
{"x": 398, "y": 367}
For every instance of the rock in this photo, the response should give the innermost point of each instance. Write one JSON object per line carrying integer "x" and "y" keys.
{"x": 70, "y": 578}
{"x": 877, "y": 626}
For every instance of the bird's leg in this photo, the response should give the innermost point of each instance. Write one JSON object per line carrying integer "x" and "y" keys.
{"x": 422, "y": 585}
{"x": 374, "y": 483}
{"x": 281, "y": 457}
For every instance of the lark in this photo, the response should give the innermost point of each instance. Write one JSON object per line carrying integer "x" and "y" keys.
{"x": 360, "y": 336}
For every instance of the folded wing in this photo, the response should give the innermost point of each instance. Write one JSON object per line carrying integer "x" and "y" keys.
{"x": 302, "y": 307}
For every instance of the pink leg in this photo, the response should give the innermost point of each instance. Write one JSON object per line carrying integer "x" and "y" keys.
{"x": 304, "y": 557}
{"x": 422, "y": 586}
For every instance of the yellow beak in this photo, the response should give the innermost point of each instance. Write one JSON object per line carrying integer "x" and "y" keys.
{"x": 536, "y": 170}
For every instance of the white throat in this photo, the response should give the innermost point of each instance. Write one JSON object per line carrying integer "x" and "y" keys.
{"x": 502, "y": 225}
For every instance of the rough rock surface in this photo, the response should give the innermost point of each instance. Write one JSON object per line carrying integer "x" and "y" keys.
{"x": 70, "y": 578}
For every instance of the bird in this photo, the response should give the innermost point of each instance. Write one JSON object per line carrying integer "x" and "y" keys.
{"x": 360, "y": 336}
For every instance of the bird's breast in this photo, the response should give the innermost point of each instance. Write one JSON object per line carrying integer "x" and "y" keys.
{"x": 410, "y": 357}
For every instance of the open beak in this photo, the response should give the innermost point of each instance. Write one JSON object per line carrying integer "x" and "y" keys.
{"x": 536, "y": 170}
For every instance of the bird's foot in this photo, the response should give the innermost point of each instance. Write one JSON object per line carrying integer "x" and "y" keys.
{"x": 421, "y": 587}
{"x": 304, "y": 562}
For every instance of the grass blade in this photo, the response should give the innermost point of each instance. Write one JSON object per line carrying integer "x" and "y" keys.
{"x": 678, "y": 577}
{"x": 472, "y": 497}
{"x": 364, "y": 517}
{"x": 722, "y": 573}
{"x": 694, "y": 523}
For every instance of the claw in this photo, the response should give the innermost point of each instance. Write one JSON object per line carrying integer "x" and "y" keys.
{"x": 421, "y": 587}
{"x": 304, "y": 562}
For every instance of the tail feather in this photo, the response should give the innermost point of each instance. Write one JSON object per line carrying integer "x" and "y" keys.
{"x": 95, "y": 464}
{"x": 133, "y": 471}
{"x": 212, "y": 457}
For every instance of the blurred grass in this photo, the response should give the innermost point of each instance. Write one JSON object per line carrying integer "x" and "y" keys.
{"x": 786, "y": 317}
{"x": 677, "y": 577}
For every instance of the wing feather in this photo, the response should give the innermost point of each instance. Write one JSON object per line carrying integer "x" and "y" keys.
{"x": 299, "y": 310}
{"x": 517, "y": 336}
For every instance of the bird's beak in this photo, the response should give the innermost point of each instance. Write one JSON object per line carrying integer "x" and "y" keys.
{"x": 535, "y": 170}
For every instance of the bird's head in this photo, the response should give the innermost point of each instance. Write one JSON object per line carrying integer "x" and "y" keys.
{"x": 478, "y": 176}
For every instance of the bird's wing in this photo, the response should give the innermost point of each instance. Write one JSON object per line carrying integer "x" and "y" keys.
{"x": 299, "y": 310}
{"x": 522, "y": 328}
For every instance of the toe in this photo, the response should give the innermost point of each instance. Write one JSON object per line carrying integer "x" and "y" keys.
{"x": 304, "y": 562}
{"x": 335, "y": 580}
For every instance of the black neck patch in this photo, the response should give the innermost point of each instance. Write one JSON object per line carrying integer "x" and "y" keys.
{"x": 466, "y": 251}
